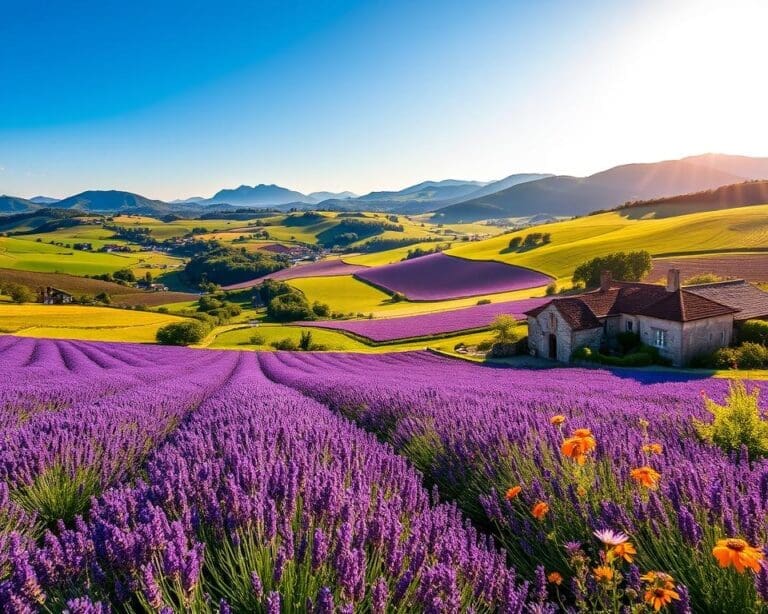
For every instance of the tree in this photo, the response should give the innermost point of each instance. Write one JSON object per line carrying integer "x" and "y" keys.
{"x": 289, "y": 307}
{"x": 515, "y": 242}
{"x": 305, "y": 342}
{"x": 19, "y": 293}
{"x": 182, "y": 333}
{"x": 505, "y": 328}
{"x": 632, "y": 266}
{"x": 103, "y": 297}
{"x": 124, "y": 275}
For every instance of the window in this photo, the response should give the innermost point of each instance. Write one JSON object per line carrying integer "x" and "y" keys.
{"x": 552, "y": 321}
{"x": 722, "y": 337}
{"x": 659, "y": 337}
{"x": 628, "y": 326}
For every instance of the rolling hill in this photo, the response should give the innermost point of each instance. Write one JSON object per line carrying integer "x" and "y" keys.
{"x": 14, "y": 204}
{"x": 575, "y": 241}
{"x": 566, "y": 195}
{"x": 113, "y": 201}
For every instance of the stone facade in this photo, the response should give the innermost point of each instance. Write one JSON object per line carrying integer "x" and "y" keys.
{"x": 550, "y": 323}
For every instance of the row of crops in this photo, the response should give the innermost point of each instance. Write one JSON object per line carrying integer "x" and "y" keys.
{"x": 193, "y": 483}
{"x": 170, "y": 480}
{"x": 543, "y": 459}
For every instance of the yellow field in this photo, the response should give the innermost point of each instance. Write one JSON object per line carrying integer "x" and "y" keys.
{"x": 82, "y": 322}
{"x": 575, "y": 241}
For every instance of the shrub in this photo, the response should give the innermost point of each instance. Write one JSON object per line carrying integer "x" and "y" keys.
{"x": 754, "y": 331}
{"x": 103, "y": 297}
{"x": 257, "y": 340}
{"x": 305, "y": 342}
{"x": 582, "y": 353}
{"x": 286, "y": 344}
{"x": 321, "y": 310}
{"x": 398, "y": 297}
{"x": 751, "y": 356}
{"x": 702, "y": 278}
{"x": 552, "y": 289}
{"x": 485, "y": 345}
{"x": 724, "y": 358}
{"x": 736, "y": 424}
{"x": 515, "y": 242}
{"x": 19, "y": 293}
{"x": 505, "y": 328}
{"x": 162, "y": 310}
{"x": 484, "y": 301}
{"x": 182, "y": 333}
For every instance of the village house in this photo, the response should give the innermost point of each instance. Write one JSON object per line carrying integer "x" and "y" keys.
{"x": 680, "y": 321}
{"x": 54, "y": 296}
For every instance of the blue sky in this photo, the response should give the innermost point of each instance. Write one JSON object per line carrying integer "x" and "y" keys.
{"x": 173, "y": 99}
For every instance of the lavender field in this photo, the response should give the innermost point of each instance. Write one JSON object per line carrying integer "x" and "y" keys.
{"x": 429, "y": 324}
{"x": 322, "y": 268}
{"x": 438, "y": 277}
{"x": 144, "y": 478}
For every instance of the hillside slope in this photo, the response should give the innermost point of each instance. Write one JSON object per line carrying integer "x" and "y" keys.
{"x": 565, "y": 195}
{"x": 577, "y": 240}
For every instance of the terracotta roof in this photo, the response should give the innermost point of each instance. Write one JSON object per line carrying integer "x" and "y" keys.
{"x": 751, "y": 302}
{"x": 583, "y": 311}
{"x": 575, "y": 312}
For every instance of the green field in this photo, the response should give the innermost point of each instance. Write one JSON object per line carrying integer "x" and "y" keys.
{"x": 575, "y": 241}
{"x": 81, "y": 322}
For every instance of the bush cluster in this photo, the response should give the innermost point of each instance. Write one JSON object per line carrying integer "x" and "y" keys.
{"x": 183, "y": 333}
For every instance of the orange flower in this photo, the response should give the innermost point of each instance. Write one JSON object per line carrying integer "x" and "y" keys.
{"x": 555, "y": 578}
{"x": 557, "y": 420}
{"x": 512, "y": 492}
{"x": 646, "y": 476}
{"x": 581, "y": 492}
{"x": 659, "y": 597}
{"x": 539, "y": 510}
{"x": 738, "y": 553}
{"x": 578, "y": 445}
{"x": 603, "y": 574}
{"x": 652, "y": 448}
{"x": 661, "y": 589}
{"x": 624, "y": 551}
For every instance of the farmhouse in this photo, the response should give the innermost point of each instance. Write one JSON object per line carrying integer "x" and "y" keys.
{"x": 681, "y": 322}
{"x": 54, "y": 296}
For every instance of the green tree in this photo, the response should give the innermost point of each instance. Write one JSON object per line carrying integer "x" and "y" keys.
{"x": 19, "y": 293}
{"x": 182, "y": 333}
{"x": 289, "y": 307}
{"x": 632, "y": 266}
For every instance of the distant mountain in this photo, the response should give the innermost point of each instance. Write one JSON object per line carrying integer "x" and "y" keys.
{"x": 569, "y": 196}
{"x": 743, "y": 166}
{"x": 260, "y": 195}
{"x": 113, "y": 201}
{"x": 426, "y": 191}
{"x": 725, "y": 197}
{"x": 187, "y": 201}
{"x": 14, "y": 204}
{"x": 321, "y": 196}
{"x": 43, "y": 200}
{"x": 507, "y": 182}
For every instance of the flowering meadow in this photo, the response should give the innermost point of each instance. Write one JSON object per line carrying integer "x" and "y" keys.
{"x": 438, "y": 277}
{"x": 155, "y": 479}
{"x": 596, "y": 483}
{"x": 430, "y": 324}
{"x": 170, "y": 480}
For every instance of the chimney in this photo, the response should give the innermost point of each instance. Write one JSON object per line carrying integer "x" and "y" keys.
{"x": 605, "y": 281}
{"x": 673, "y": 280}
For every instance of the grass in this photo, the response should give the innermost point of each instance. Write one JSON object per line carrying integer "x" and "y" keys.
{"x": 82, "y": 322}
{"x": 575, "y": 241}
{"x": 333, "y": 340}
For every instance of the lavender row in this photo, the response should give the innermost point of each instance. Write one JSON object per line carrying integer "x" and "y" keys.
{"x": 264, "y": 500}
{"x": 428, "y": 324}
{"x": 484, "y": 436}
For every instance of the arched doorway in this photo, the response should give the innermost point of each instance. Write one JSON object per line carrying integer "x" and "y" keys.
{"x": 553, "y": 347}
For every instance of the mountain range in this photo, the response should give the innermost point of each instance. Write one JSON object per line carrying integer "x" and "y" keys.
{"x": 566, "y": 195}
{"x": 451, "y": 200}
